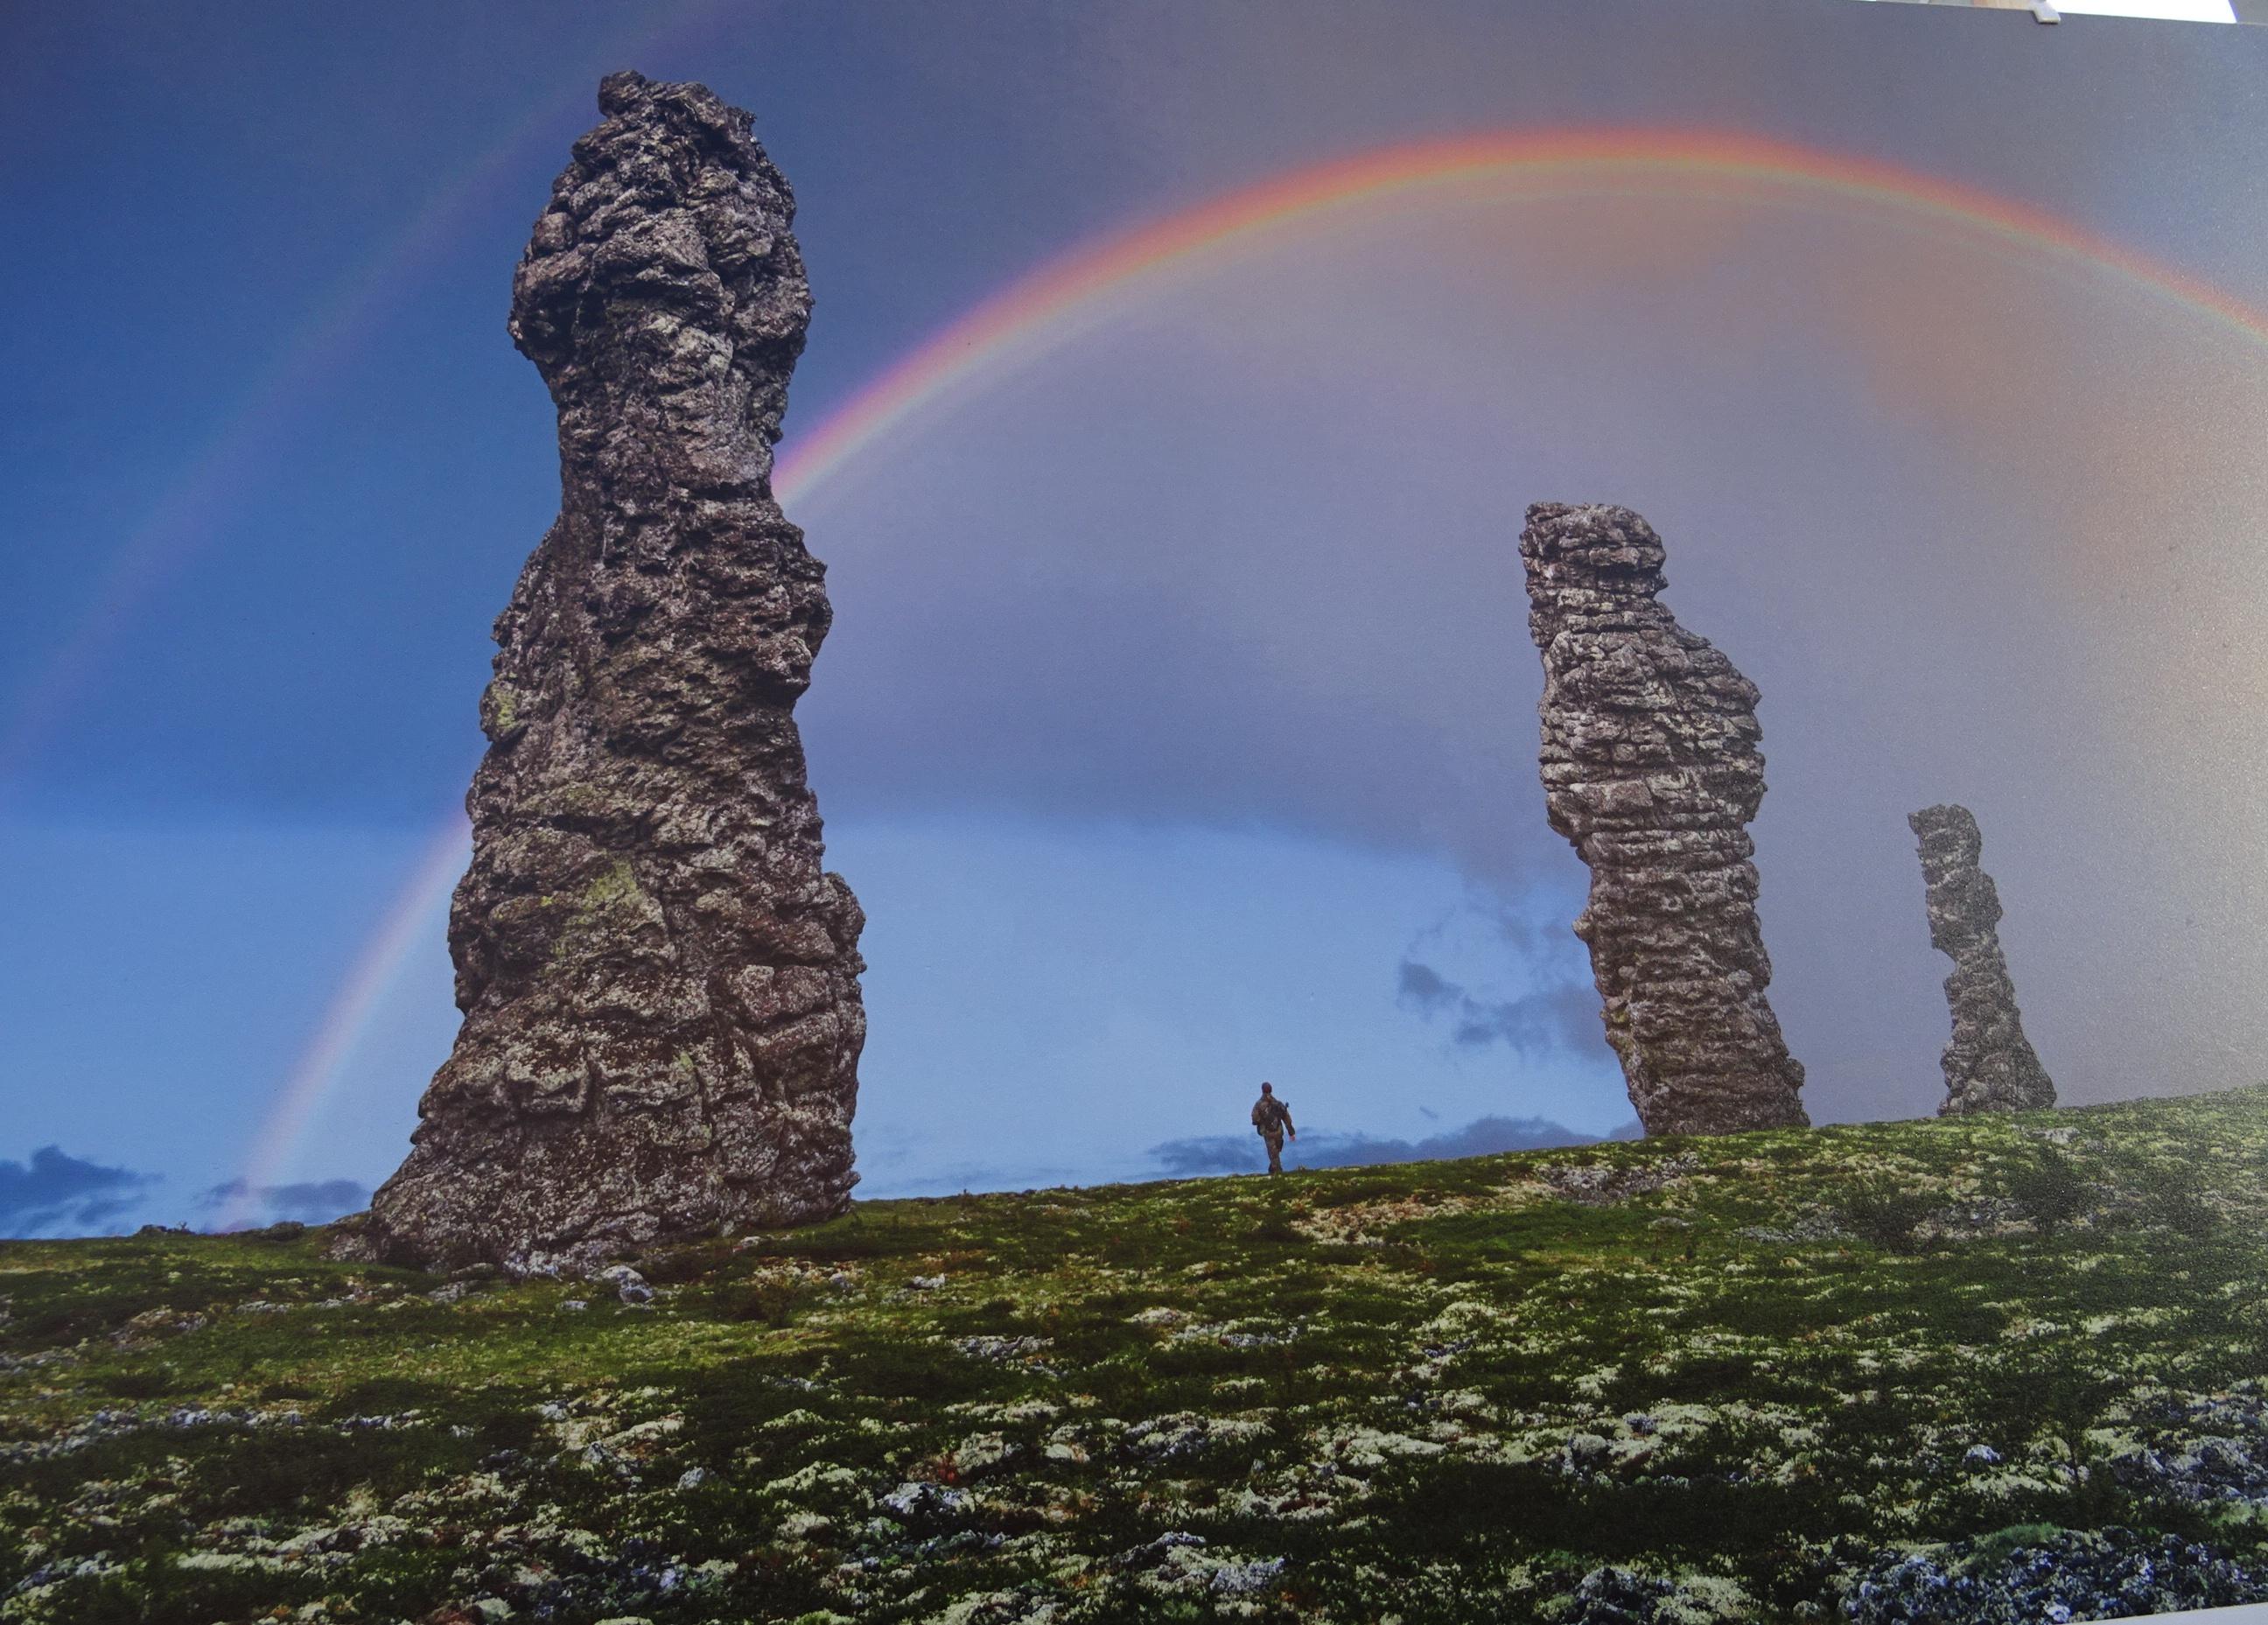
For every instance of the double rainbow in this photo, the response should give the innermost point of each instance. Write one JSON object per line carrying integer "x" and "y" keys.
{"x": 1054, "y": 303}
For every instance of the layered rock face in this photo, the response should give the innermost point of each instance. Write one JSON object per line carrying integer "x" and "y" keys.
{"x": 1990, "y": 1065}
{"x": 658, "y": 981}
{"x": 1650, "y": 768}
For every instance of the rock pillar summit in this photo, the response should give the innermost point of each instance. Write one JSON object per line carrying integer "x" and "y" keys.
{"x": 1990, "y": 1064}
{"x": 658, "y": 980}
{"x": 1650, "y": 768}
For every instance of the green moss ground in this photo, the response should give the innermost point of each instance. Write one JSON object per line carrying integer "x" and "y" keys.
{"x": 1749, "y": 1370}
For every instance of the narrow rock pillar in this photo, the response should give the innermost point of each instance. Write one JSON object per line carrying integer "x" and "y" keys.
{"x": 659, "y": 984}
{"x": 1990, "y": 1064}
{"x": 1651, "y": 768}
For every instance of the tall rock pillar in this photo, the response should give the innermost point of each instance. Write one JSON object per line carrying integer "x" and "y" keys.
{"x": 1989, "y": 1065}
{"x": 1651, "y": 769}
{"x": 659, "y": 981}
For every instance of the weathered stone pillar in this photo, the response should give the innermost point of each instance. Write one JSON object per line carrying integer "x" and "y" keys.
{"x": 1650, "y": 768}
{"x": 660, "y": 980}
{"x": 1990, "y": 1064}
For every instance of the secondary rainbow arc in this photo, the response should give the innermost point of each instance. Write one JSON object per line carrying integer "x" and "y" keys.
{"x": 1063, "y": 297}
{"x": 342, "y": 319}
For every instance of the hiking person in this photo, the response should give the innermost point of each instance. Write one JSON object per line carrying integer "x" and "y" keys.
{"x": 1273, "y": 1119}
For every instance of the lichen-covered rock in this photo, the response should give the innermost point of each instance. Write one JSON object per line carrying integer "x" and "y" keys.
{"x": 1650, "y": 768}
{"x": 2063, "y": 1574}
{"x": 662, "y": 1019}
{"x": 1990, "y": 1064}
{"x": 2211, "y": 1448}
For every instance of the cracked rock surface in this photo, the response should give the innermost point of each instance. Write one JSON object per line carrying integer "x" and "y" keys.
{"x": 659, "y": 984}
{"x": 1990, "y": 1065}
{"x": 1651, "y": 769}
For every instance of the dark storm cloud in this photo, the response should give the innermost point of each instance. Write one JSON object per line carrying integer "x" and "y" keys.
{"x": 1237, "y": 1153}
{"x": 315, "y": 1202}
{"x": 1424, "y": 989}
{"x": 56, "y": 1194}
{"x": 1564, "y": 1016}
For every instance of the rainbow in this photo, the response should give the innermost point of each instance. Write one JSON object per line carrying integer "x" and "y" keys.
{"x": 399, "y": 932}
{"x": 1069, "y": 295}
{"x": 343, "y": 319}
{"x": 1073, "y": 294}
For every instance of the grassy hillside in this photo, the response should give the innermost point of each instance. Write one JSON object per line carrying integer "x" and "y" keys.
{"x": 1876, "y": 1373}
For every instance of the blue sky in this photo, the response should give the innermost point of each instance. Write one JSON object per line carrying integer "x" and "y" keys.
{"x": 1180, "y": 699}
